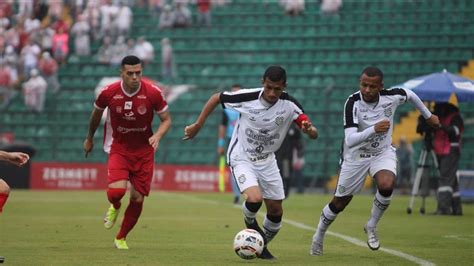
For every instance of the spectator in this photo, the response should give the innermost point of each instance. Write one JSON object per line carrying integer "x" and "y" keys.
{"x": 49, "y": 70}
{"x": 119, "y": 51}
{"x": 4, "y": 21}
{"x": 34, "y": 92}
{"x": 6, "y": 89}
{"x": 29, "y": 57}
{"x": 144, "y": 50}
{"x": 81, "y": 31}
{"x": 31, "y": 24}
{"x": 204, "y": 13}
{"x": 293, "y": 7}
{"x": 124, "y": 19}
{"x": 182, "y": 16}
{"x": 130, "y": 46}
{"x": 104, "y": 55}
{"x": 45, "y": 38}
{"x": 92, "y": 14}
{"x": 405, "y": 162}
{"x": 60, "y": 46}
{"x": 107, "y": 14}
{"x": 167, "y": 60}
{"x": 330, "y": 7}
{"x": 166, "y": 18}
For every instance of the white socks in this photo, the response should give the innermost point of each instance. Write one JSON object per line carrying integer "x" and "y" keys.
{"x": 326, "y": 218}
{"x": 378, "y": 208}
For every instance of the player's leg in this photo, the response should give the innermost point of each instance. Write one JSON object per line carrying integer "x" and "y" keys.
{"x": 117, "y": 179}
{"x": 140, "y": 179}
{"x": 4, "y": 192}
{"x": 383, "y": 169}
{"x": 351, "y": 179}
{"x": 130, "y": 218}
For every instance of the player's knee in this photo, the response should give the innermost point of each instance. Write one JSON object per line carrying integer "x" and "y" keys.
{"x": 115, "y": 194}
{"x": 338, "y": 204}
{"x": 386, "y": 192}
{"x": 253, "y": 206}
{"x": 254, "y": 197}
{"x": 274, "y": 218}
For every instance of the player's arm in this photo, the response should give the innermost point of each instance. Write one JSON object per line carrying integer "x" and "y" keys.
{"x": 192, "y": 130}
{"x": 16, "y": 158}
{"x": 306, "y": 126}
{"x": 94, "y": 123}
{"x": 431, "y": 119}
{"x": 164, "y": 126}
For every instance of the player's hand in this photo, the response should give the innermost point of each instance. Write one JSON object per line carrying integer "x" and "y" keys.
{"x": 382, "y": 126}
{"x": 88, "y": 145}
{"x": 18, "y": 158}
{"x": 308, "y": 128}
{"x": 433, "y": 121}
{"x": 191, "y": 131}
{"x": 154, "y": 142}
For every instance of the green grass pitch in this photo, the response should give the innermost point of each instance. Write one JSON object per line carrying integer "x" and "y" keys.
{"x": 65, "y": 228}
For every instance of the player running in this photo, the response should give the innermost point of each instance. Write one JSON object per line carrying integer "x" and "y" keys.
{"x": 129, "y": 140}
{"x": 368, "y": 120}
{"x": 265, "y": 116}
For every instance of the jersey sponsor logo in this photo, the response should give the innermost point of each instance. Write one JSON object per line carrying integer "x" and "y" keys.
{"x": 260, "y": 137}
{"x": 141, "y": 96}
{"x": 141, "y": 109}
{"x": 259, "y": 149}
{"x": 125, "y": 130}
{"x": 388, "y": 112}
{"x": 129, "y": 116}
{"x": 118, "y": 109}
{"x": 386, "y": 105}
{"x": 282, "y": 112}
{"x": 259, "y": 158}
{"x": 252, "y": 119}
{"x": 128, "y": 105}
{"x": 364, "y": 110}
{"x": 279, "y": 120}
{"x": 264, "y": 131}
{"x": 117, "y": 97}
{"x": 255, "y": 112}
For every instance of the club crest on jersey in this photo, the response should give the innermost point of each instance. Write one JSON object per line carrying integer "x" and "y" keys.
{"x": 241, "y": 179}
{"x": 141, "y": 109}
{"x": 387, "y": 112}
{"x": 279, "y": 120}
{"x": 341, "y": 189}
{"x": 128, "y": 105}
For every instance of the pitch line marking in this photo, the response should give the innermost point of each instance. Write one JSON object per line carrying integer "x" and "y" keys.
{"x": 349, "y": 239}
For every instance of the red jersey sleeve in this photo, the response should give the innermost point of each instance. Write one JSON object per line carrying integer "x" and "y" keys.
{"x": 159, "y": 103}
{"x": 101, "y": 101}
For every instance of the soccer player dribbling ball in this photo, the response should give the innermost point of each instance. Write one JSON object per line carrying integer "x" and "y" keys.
{"x": 129, "y": 141}
{"x": 265, "y": 116}
{"x": 368, "y": 127}
{"x": 18, "y": 159}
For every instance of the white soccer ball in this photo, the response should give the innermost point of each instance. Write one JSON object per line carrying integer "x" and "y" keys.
{"x": 248, "y": 244}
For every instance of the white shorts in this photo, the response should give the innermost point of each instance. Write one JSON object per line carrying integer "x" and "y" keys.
{"x": 264, "y": 173}
{"x": 352, "y": 175}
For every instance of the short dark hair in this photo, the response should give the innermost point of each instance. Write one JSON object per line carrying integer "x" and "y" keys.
{"x": 275, "y": 73}
{"x": 372, "y": 71}
{"x": 131, "y": 60}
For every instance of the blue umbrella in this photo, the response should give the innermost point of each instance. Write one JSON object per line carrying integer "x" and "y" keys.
{"x": 440, "y": 86}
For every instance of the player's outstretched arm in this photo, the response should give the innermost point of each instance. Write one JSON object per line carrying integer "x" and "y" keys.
{"x": 94, "y": 123}
{"x": 192, "y": 130}
{"x": 16, "y": 158}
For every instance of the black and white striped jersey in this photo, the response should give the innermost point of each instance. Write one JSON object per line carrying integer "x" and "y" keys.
{"x": 261, "y": 127}
{"x": 362, "y": 115}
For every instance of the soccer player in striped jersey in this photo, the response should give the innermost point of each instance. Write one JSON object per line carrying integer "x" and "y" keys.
{"x": 265, "y": 117}
{"x": 129, "y": 140}
{"x": 368, "y": 127}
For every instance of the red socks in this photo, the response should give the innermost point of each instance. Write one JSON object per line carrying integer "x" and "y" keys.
{"x": 130, "y": 218}
{"x": 3, "y": 200}
{"x": 115, "y": 195}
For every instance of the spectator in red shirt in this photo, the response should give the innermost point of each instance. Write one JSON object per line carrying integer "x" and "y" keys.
{"x": 49, "y": 70}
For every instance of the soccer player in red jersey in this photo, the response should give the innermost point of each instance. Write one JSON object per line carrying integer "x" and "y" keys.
{"x": 18, "y": 159}
{"x": 129, "y": 140}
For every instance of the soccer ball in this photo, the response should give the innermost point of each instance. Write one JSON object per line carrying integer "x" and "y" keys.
{"x": 248, "y": 244}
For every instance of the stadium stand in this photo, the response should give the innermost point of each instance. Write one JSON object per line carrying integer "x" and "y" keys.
{"x": 322, "y": 54}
